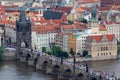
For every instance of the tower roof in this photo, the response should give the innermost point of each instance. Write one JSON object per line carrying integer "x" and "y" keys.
{"x": 22, "y": 16}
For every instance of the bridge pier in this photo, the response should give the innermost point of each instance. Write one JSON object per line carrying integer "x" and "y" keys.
{"x": 53, "y": 67}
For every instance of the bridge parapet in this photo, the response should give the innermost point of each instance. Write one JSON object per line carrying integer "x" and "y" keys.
{"x": 66, "y": 69}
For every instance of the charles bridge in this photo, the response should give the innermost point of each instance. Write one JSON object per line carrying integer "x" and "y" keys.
{"x": 60, "y": 67}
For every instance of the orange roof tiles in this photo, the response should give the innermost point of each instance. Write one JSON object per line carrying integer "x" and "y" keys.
{"x": 16, "y": 13}
{"x": 77, "y": 25}
{"x": 102, "y": 28}
{"x": 46, "y": 28}
{"x": 98, "y": 38}
{"x": 79, "y": 9}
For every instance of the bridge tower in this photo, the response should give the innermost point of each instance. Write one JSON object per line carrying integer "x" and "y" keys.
{"x": 23, "y": 34}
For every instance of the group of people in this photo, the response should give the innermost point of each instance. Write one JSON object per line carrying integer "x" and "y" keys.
{"x": 91, "y": 72}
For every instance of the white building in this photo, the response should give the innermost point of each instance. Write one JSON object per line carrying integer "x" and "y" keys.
{"x": 10, "y": 33}
{"x": 43, "y": 40}
{"x": 113, "y": 28}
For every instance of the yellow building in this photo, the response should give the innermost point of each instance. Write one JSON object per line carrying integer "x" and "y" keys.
{"x": 72, "y": 43}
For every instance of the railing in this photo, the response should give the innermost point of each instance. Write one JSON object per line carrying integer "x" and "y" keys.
{"x": 81, "y": 68}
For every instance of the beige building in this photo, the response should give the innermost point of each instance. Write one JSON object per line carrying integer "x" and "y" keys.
{"x": 102, "y": 47}
{"x": 97, "y": 28}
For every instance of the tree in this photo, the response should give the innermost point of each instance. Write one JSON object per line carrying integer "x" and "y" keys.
{"x": 72, "y": 52}
{"x": 118, "y": 49}
{"x": 1, "y": 53}
{"x": 70, "y": 22}
{"x": 56, "y": 51}
{"x": 49, "y": 52}
{"x": 64, "y": 54}
{"x": 85, "y": 53}
{"x": 43, "y": 49}
{"x": 84, "y": 21}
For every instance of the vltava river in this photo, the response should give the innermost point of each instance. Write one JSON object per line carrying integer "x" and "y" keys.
{"x": 108, "y": 66}
{"x": 12, "y": 71}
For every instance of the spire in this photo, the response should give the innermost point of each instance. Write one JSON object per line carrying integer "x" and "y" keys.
{"x": 94, "y": 13}
{"x": 22, "y": 16}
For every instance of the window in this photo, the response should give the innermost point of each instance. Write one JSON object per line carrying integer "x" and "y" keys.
{"x": 110, "y": 53}
{"x": 106, "y": 48}
{"x": 101, "y": 54}
{"x": 106, "y": 53}
{"x": 98, "y": 54}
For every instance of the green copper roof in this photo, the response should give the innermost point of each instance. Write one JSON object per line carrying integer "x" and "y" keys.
{"x": 77, "y": 36}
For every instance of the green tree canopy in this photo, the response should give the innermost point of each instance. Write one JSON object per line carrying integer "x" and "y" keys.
{"x": 118, "y": 49}
{"x": 72, "y": 52}
{"x": 64, "y": 54}
{"x": 56, "y": 51}
{"x": 43, "y": 49}
{"x": 70, "y": 22}
{"x": 1, "y": 53}
{"x": 49, "y": 52}
{"x": 85, "y": 53}
{"x": 84, "y": 20}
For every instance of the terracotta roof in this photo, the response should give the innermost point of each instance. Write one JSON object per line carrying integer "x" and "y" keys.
{"x": 41, "y": 29}
{"x": 111, "y": 22}
{"x": 80, "y": 9}
{"x": 59, "y": 34}
{"x": 90, "y": 1}
{"x": 78, "y": 26}
{"x": 98, "y": 38}
{"x": 63, "y": 9}
{"x": 102, "y": 28}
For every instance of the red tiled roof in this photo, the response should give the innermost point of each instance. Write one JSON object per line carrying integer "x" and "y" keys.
{"x": 45, "y": 28}
{"x": 102, "y": 28}
{"x": 111, "y": 22}
{"x": 98, "y": 38}
{"x": 63, "y": 9}
{"x": 77, "y": 25}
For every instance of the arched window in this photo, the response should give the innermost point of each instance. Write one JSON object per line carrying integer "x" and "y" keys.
{"x": 24, "y": 44}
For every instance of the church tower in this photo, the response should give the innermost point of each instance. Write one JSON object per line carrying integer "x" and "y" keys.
{"x": 94, "y": 23}
{"x": 23, "y": 33}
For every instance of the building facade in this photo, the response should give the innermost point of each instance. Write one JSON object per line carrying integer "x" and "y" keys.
{"x": 113, "y": 28}
{"x": 102, "y": 47}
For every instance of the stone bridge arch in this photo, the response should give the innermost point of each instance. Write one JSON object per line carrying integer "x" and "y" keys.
{"x": 56, "y": 69}
{"x": 28, "y": 56}
{"x": 80, "y": 76}
{"x": 67, "y": 74}
{"x": 45, "y": 64}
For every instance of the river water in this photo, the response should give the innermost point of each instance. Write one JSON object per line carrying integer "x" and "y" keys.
{"x": 108, "y": 66}
{"x": 14, "y": 71}
{"x": 10, "y": 70}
